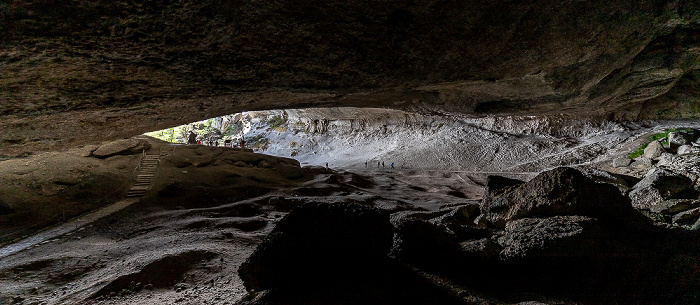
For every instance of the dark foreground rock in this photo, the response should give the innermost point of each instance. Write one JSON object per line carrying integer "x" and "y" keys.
{"x": 659, "y": 185}
{"x": 316, "y": 243}
{"x": 333, "y": 254}
{"x": 560, "y": 238}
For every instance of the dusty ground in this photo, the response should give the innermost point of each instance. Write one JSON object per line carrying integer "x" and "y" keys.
{"x": 185, "y": 240}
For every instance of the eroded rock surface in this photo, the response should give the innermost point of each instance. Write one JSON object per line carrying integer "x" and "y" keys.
{"x": 74, "y": 72}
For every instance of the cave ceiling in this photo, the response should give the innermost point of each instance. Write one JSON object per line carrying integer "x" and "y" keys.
{"x": 76, "y": 72}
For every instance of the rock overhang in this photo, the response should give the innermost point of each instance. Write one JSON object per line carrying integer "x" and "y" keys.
{"x": 74, "y": 72}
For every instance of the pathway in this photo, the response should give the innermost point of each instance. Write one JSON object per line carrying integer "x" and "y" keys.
{"x": 145, "y": 175}
{"x": 59, "y": 230}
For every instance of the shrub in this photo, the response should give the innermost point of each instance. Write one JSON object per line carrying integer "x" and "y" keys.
{"x": 655, "y": 137}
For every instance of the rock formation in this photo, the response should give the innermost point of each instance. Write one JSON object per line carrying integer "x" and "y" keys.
{"x": 560, "y": 246}
{"x": 75, "y": 72}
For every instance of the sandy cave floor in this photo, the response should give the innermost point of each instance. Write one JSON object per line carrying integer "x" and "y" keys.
{"x": 190, "y": 255}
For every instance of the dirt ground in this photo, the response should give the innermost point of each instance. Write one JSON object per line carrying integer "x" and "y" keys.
{"x": 206, "y": 212}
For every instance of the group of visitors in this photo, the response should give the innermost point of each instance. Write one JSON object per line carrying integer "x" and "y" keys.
{"x": 381, "y": 163}
{"x": 192, "y": 140}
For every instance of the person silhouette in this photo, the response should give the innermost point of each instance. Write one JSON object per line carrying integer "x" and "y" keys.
{"x": 192, "y": 138}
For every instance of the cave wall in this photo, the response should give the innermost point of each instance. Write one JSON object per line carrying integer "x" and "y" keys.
{"x": 77, "y": 71}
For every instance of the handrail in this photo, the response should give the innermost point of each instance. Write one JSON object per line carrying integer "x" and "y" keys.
{"x": 138, "y": 165}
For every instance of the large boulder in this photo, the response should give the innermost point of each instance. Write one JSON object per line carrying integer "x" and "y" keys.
{"x": 622, "y": 182}
{"x": 334, "y": 254}
{"x": 658, "y": 185}
{"x": 654, "y": 150}
{"x": 317, "y": 244}
{"x": 420, "y": 242}
{"x": 122, "y": 147}
{"x": 560, "y": 192}
{"x": 497, "y": 186}
{"x": 558, "y": 236}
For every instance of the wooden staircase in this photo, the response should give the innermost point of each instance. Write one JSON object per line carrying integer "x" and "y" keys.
{"x": 144, "y": 175}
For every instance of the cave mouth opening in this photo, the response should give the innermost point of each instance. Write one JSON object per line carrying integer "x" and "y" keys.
{"x": 356, "y": 138}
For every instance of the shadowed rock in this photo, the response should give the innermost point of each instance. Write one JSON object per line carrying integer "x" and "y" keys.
{"x": 334, "y": 254}
{"x": 559, "y": 192}
{"x": 317, "y": 244}
{"x": 659, "y": 185}
{"x": 558, "y": 236}
{"x": 497, "y": 186}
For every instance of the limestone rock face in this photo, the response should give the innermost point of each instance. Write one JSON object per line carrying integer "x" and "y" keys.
{"x": 74, "y": 72}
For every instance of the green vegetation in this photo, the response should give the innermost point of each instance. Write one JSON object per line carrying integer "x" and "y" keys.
{"x": 258, "y": 142}
{"x": 276, "y": 121}
{"x": 655, "y": 137}
{"x": 228, "y": 129}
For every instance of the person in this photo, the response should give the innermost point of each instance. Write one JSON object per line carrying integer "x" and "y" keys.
{"x": 382, "y": 164}
{"x": 378, "y": 164}
{"x": 242, "y": 143}
{"x": 326, "y": 164}
{"x": 192, "y": 138}
{"x": 216, "y": 143}
{"x": 365, "y": 164}
{"x": 199, "y": 142}
{"x": 392, "y": 165}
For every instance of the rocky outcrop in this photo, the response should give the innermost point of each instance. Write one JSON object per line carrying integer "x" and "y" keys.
{"x": 563, "y": 245}
{"x": 688, "y": 149}
{"x": 555, "y": 237}
{"x": 122, "y": 147}
{"x": 562, "y": 191}
{"x": 659, "y": 185}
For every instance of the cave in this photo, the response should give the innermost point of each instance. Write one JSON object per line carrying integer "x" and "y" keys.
{"x": 349, "y": 152}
